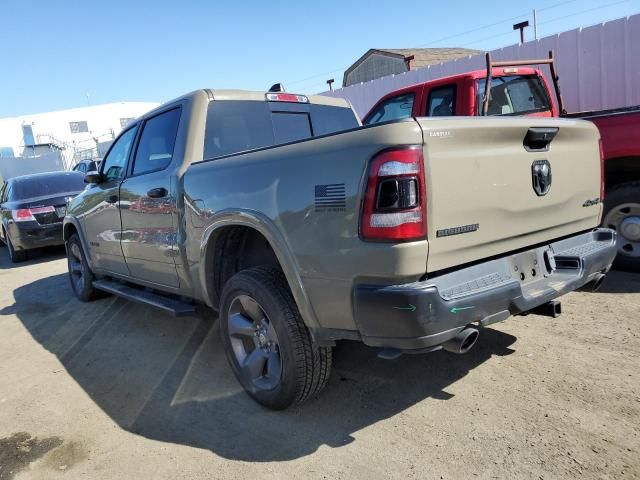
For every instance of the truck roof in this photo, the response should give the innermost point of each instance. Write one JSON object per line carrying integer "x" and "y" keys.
{"x": 474, "y": 74}
{"x": 260, "y": 96}
{"x": 228, "y": 94}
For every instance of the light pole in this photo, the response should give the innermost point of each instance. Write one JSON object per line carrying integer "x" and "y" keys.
{"x": 521, "y": 26}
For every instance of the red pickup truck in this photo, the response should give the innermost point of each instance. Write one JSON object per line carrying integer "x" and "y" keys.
{"x": 515, "y": 88}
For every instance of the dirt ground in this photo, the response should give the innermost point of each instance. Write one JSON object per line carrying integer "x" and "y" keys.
{"x": 114, "y": 390}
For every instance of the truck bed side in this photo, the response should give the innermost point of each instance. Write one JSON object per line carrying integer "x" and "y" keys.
{"x": 283, "y": 185}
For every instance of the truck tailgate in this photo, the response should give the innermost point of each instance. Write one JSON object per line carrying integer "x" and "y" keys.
{"x": 481, "y": 199}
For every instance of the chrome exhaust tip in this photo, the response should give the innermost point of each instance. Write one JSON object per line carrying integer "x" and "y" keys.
{"x": 463, "y": 341}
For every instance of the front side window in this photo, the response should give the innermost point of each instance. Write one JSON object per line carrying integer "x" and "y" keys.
{"x": 155, "y": 148}
{"x": 394, "y": 108}
{"x": 514, "y": 95}
{"x": 442, "y": 101}
{"x": 116, "y": 159}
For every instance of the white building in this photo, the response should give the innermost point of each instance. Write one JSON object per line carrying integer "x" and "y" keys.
{"x": 71, "y": 134}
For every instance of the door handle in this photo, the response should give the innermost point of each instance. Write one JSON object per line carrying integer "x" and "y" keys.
{"x": 111, "y": 199}
{"x": 157, "y": 192}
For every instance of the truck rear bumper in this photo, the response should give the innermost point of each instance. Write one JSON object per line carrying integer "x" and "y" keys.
{"x": 425, "y": 314}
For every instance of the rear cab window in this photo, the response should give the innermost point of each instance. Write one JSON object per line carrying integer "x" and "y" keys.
{"x": 514, "y": 95}
{"x": 240, "y": 125}
{"x": 394, "y": 108}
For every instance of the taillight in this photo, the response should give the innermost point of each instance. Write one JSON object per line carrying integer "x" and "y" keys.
{"x": 27, "y": 214}
{"x": 22, "y": 215}
{"x": 395, "y": 206}
{"x": 601, "y": 170}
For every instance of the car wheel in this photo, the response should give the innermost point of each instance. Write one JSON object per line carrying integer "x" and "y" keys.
{"x": 16, "y": 256}
{"x": 80, "y": 274}
{"x": 266, "y": 342}
{"x": 622, "y": 213}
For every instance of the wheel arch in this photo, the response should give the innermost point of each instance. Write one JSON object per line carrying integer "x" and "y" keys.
{"x": 265, "y": 227}
{"x": 71, "y": 226}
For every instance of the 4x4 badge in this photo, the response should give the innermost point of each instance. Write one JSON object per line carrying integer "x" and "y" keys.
{"x": 541, "y": 177}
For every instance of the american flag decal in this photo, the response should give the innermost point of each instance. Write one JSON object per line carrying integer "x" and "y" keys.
{"x": 331, "y": 197}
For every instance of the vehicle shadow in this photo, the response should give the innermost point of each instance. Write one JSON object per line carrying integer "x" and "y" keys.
{"x": 167, "y": 378}
{"x": 34, "y": 257}
{"x": 620, "y": 282}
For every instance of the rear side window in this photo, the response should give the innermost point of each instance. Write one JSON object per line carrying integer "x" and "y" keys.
{"x": 48, "y": 185}
{"x": 394, "y": 108}
{"x": 157, "y": 141}
{"x": 442, "y": 101}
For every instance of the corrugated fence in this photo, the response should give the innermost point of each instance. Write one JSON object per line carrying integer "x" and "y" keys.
{"x": 598, "y": 66}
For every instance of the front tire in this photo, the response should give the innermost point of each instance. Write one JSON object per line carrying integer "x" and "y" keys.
{"x": 268, "y": 347}
{"x": 80, "y": 275}
{"x": 622, "y": 213}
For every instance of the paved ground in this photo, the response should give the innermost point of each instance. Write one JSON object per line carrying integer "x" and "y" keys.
{"x": 112, "y": 390}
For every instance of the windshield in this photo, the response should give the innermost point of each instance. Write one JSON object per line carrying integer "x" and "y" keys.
{"x": 514, "y": 95}
{"x": 48, "y": 185}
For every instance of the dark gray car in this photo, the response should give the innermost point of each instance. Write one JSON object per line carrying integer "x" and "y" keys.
{"x": 32, "y": 208}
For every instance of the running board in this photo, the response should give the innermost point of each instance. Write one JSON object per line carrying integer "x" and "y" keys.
{"x": 166, "y": 304}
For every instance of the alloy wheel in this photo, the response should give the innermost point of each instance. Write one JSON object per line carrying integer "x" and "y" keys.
{"x": 254, "y": 343}
{"x": 76, "y": 266}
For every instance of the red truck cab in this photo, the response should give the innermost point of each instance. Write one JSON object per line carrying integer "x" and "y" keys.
{"x": 514, "y": 91}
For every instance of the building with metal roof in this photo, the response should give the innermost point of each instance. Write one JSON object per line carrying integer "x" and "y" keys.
{"x": 378, "y": 62}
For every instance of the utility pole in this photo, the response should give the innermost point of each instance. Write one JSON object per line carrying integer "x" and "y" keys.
{"x": 535, "y": 24}
{"x": 88, "y": 99}
{"x": 521, "y": 26}
{"x": 330, "y": 83}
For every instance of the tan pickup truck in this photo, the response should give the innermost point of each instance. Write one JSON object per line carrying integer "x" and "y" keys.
{"x": 301, "y": 227}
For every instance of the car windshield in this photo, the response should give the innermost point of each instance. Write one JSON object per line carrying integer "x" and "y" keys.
{"x": 514, "y": 95}
{"x": 48, "y": 185}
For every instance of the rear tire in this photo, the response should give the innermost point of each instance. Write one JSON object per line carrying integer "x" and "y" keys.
{"x": 80, "y": 275}
{"x": 622, "y": 213}
{"x": 16, "y": 256}
{"x": 268, "y": 347}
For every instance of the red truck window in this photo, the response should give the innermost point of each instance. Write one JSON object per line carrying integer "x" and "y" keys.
{"x": 514, "y": 95}
{"x": 394, "y": 108}
{"x": 442, "y": 101}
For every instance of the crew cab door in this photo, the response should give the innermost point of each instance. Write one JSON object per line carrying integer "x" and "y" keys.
{"x": 101, "y": 217}
{"x": 148, "y": 205}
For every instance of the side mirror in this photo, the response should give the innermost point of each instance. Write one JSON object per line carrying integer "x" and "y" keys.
{"x": 93, "y": 177}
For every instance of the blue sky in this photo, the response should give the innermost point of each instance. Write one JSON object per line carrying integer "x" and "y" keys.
{"x": 55, "y": 52}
